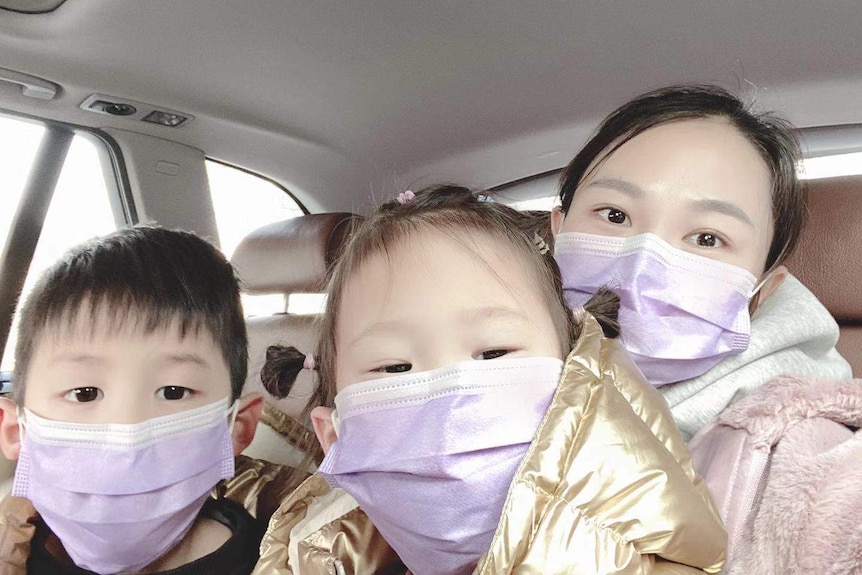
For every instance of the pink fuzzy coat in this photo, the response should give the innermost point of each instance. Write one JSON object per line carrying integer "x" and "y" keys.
{"x": 784, "y": 467}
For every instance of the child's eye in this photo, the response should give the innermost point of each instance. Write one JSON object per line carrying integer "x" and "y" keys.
{"x": 614, "y": 216}
{"x": 84, "y": 394}
{"x": 493, "y": 353}
{"x": 174, "y": 392}
{"x": 706, "y": 240}
{"x": 395, "y": 368}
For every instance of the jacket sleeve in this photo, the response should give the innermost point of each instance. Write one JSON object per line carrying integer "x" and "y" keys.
{"x": 260, "y": 486}
{"x": 16, "y": 531}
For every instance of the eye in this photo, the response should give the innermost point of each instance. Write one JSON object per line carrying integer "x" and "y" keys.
{"x": 84, "y": 394}
{"x": 706, "y": 240}
{"x": 395, "y": 368}
{"x": 493, "y": 353}
{"x": 614, "y": 216}
{"x": 174, "y": 392}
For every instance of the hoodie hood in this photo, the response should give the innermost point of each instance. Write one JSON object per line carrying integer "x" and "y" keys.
{"x": 791, "y": 333}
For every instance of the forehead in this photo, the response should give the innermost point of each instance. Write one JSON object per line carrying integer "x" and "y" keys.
{"x": 709, "y": 156}
{"x": 432, "y": 274}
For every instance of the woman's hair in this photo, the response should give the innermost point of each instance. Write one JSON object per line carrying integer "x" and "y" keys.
{"x": 774, "y": 138}
{"x": 450, "y": 209}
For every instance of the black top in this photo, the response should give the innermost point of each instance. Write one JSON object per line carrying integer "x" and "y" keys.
{"x": 237, "y": 556}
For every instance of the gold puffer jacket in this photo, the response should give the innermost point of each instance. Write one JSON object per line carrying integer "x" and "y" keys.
{"x": 606, "y": 487}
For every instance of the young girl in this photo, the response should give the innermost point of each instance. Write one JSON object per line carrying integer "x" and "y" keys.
{"x": 456, "y": 438}
{"x": 686, "y": 204}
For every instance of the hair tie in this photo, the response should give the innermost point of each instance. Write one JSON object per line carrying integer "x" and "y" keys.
{"x": 309, "y": 363}
{"x": 405, "y": 197}
{"x": 541, "y": 244}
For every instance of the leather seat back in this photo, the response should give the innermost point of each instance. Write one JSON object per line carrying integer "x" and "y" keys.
{"x": 828, "y": 259}
{"x": 289, "y": 257}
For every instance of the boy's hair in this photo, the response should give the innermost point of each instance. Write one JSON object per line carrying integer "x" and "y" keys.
{"x": 159, "y": 275}
{"x": 454, "y": 210}
{"x": 774, "y": 138}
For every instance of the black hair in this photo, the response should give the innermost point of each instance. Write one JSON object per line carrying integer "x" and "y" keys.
{"x": 159, "y": 275}
{"x": 774, "y": 138}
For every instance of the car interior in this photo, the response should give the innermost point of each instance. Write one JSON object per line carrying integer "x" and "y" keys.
{"x": 305, "y": 115}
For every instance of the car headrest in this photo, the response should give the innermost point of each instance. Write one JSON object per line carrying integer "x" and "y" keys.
{"x": 293, "y": 255}
{"x": 827, "y": 259}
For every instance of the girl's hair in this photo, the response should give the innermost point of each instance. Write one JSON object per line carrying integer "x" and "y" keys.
{"x": 457, "y": 211}
{"x": 774, "y": 138}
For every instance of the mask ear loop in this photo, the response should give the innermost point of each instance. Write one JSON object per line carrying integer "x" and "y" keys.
{"x": 234, "y": 409}
{"x": 336, "y": 421}
{"x": 19, "y": 415}
{"x": 754, "y": 297}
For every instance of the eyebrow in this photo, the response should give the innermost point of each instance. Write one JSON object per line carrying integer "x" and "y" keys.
{"x": 493, "y": 312}
{"x": 706, "y": 205}
{"x": 469, "y": 316}
{"x": 623, "y": 186}
{"x": 185, "y": 358}
{"x": 722, "y": 207}
{"x": 79, "y": 358}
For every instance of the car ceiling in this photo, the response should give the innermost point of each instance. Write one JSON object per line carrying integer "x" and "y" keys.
{"x": 343, "y": 100}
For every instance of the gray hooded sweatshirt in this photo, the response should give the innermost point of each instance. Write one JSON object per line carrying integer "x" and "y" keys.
{"x": 791, "y": 333}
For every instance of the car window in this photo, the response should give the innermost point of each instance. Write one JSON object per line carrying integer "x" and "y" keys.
{"x": 244, "y": 202}
{"x": 81, "y": 208}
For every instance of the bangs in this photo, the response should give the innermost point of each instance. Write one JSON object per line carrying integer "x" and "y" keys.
{"x": 112, "y": 314}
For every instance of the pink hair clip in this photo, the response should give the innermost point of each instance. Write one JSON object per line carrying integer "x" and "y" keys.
{"x": 405, "y": 197}
{"x": 309, "y": 363}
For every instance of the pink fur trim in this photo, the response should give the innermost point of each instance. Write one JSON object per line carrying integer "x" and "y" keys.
{"x": 767, "y": 412}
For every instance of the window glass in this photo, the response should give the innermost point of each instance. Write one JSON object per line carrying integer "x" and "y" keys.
{"x": 831, "y": 166}
{"x": 19, "y": 141}
{"x": 244, "y": 202}
{"x": 79, "y": 210}
{"x": 545, "y": 204}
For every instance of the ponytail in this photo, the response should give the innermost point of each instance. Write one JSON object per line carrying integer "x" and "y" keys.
{"x": 281, "y": 368}
{"x": 605, "y": 307}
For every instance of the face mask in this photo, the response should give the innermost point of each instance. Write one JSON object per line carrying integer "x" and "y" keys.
{"x": 120, "y": 496}
{"x": 680, "y": 313}
{"x": 429, "y": 456}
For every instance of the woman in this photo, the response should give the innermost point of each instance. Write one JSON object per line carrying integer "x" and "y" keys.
{"x": 686, "y": 204}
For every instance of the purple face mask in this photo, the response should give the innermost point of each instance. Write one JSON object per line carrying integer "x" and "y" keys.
{"x": 680, "y": 313}
{"x": 429, "y": 456}
{"x": 120, "y": 496}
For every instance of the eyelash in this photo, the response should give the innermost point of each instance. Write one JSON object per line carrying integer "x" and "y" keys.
{"x": 77, "y": 393}
{"x": 405, "y": 367}
{"x": 720, "y": 239}
{"x": 185, "y": 391}
{"x": 610, "y": 209}
{"x": 394, "y": 368}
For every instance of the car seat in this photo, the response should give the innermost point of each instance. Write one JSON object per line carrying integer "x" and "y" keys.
{"x": 829, "y": 257}
{"x": 288, "y": 257}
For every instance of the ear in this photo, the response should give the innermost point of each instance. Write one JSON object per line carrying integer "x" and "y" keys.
{"x": 10, "y": 437}
{"x": 770, "y": 285}
{"x": 245, "y": 424}
{"x": 321, "y": 420}
{"x": 557, "y": 218}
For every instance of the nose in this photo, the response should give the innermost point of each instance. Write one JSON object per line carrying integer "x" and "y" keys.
{"x": 127, "y": 412}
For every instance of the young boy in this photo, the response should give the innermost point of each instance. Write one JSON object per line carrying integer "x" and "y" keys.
{"x": 130, "y": 363}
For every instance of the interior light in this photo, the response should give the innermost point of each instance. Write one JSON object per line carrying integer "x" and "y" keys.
{"x": 170, "y": 119}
